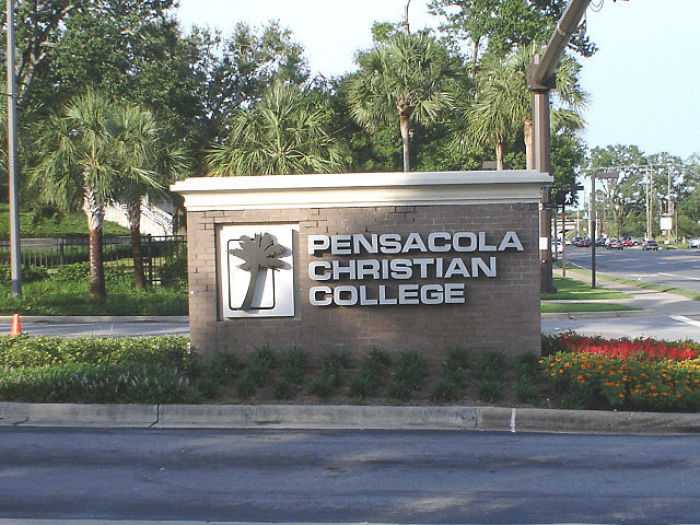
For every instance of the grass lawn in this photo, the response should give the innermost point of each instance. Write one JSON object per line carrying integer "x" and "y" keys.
{"x": 50, "y": 297}
{"x": 573, "y": 290}
{"x": 553, "y": 307}
{"x": 641, "y": 284}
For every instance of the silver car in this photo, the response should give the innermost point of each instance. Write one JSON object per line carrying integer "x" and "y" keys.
{"x": 694, "y": 242}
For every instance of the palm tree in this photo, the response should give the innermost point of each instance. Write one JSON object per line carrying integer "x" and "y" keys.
{"x": 502, "y": 104}
{"x": 406, "y": 76}
{"x": 259, "y": 253}
{"x": 497, "y": 109}
{"x": 283, "y": 134}
{"x": 81, "y": 155}
{"x": 145, "y": 150}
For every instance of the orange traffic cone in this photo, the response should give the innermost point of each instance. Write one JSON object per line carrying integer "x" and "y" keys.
{"x": 16, "y": 326}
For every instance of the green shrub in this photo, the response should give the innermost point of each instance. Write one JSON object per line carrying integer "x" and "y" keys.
{"x": 446, "y": 389}
{"x": 30, "y": 274}
{"x": 322, "y": 386}
{"x": 291, "y": 374}
{"x": 490, "y": 389}
{"x": 22, "y": 351}
{"x": 79, "y": 272}
{"x": 408, "y": 376}
{"x": 246, "y": 387}
{"x": 211, "y": 375}
{"x": 372, "y": 372}
{"x": 75, "y": 272}
{"x": 173, "y": 272}
{"x": 86, "y": 383}
{"x": 332, "y": 374}
{"x": 525, "y": 389}
{"x": 293, "y": 366}
{"x": 456, "y": 366}
{"x": 259, "y": 368}
{"x": 490, "y": 383}
{"x": 283, "y": 388}
{"x": 527, "y": 372}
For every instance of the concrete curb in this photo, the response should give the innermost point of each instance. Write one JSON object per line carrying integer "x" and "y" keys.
{"x": 346, "y": 417}
{"x": 601, "y": 315}
{"x": 74, "y": 415}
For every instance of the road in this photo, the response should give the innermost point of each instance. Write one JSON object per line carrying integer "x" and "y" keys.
{"x": 361, "y": 476}
{"x": 661, "y": 327}
{"x": 120, "y": 328}
{"x": 674, "y": 268}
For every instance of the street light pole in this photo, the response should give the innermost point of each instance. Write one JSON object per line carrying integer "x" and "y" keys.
{"x": 606, "y": 173}
{"x": 15, "y": 255}
{"x": 541, "y": 76}
{"x": 593, "y": 232}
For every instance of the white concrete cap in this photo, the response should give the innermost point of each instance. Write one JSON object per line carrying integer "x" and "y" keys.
{"x": 361, "y": 189}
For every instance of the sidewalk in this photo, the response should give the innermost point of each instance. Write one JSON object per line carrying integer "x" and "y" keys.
{"x": 650, "y": 302}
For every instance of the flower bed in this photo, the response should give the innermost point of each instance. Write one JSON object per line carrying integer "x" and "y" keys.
{"x": 642, "y": 349}
{"x": 636, "y": 375}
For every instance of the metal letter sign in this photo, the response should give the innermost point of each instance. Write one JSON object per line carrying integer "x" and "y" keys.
{"x": 257, "y": 270}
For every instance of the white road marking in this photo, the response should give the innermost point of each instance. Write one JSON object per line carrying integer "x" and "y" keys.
{"x": 680, "y": 276}
{"x": 686, "y": 320}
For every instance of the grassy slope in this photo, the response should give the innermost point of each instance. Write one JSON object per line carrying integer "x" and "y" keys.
{"x": 53, "y": 226}
{"x": 573, "y": 290}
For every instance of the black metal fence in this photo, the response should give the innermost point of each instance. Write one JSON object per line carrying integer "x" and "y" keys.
{"x": 54, "y": 252}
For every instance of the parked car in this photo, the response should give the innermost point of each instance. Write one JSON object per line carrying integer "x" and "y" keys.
{"x": 576, "y": 241}
{"x": 627, "y": 242}
{"x": 650, "y": 245}
{"x": 694, "y": 242}
{"x": 585, "y": 243}
{"x": 613, "y": 244}
{"x": 600, "y": 241}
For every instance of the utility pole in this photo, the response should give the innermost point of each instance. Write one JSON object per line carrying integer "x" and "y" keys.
{"x": 649, "y": 200}
{"x": 408, "y": 30}
{"x": 604, "y": 173}
{"x": 541, "y": 77}
{"x": 15, "y": 255}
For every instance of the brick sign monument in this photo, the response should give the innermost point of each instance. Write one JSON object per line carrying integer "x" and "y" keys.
{"x": 423, "y": 261}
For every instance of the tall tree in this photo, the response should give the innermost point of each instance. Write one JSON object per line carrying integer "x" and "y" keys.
{"x": 503, "y": 103}
{"x": 47, "y": 28}
{"x": 283, "y": 134}
{"x": 145, "y": 148}
{"x": 406, "y": 77}
{"x": 234, "y": 71}
{"x": 82, "y": 155}
{"x": 499, "y": 26}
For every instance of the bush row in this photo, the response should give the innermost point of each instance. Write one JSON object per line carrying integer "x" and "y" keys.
{"x": 107, "y": 383}
{"x": 638, "y": 375}
{"x": 94, "y": 370}
{"x": 267, "y": 374}
{"x": 23, "y": 352}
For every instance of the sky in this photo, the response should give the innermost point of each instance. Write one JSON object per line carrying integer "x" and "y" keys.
{"x": 643, "y": 82}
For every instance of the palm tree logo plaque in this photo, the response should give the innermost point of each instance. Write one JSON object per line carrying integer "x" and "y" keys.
{"x": 259, "y": 254}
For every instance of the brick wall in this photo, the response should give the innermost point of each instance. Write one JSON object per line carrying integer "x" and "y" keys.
{"x": 500, "y": 313}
